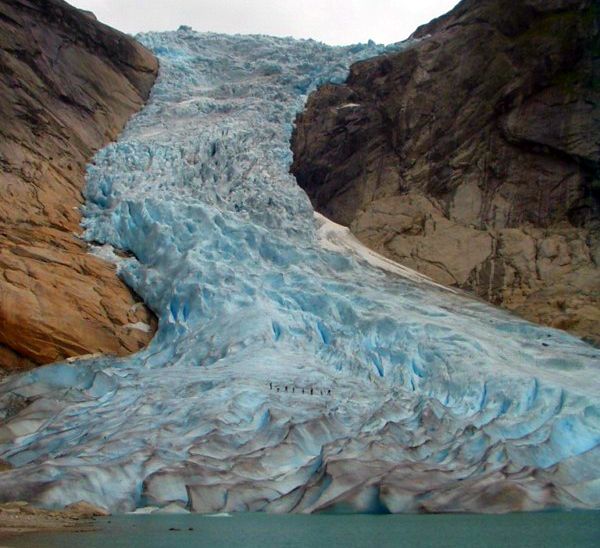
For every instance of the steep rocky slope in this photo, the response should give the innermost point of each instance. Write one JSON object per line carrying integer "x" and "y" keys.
{"x": 473, "y": 155}
{"x": 68, "y": 84}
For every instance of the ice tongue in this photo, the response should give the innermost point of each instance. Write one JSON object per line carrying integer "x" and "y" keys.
{"x": 292, "y": 369}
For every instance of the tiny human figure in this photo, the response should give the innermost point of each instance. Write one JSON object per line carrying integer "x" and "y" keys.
{"x": 303, "y": 390}
{"x": 286, "y": 388}
{"x": 278, "y": 389}
{"x": 311, "y": 391}
{"x": 293, "y": 389}
{"x": 270, "y": 386}
{"x": 329, "y": 392}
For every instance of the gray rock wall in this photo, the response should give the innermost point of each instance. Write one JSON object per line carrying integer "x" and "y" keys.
{"x": 474, "y": 156}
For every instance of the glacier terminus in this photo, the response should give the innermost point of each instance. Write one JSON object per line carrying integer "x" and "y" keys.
{"x": 293, "y": 370}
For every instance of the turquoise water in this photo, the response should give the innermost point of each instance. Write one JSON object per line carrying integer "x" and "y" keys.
{"x": 547, "y": 530}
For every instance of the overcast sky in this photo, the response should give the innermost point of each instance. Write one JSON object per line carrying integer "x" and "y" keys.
{"x": 331, "y": 21}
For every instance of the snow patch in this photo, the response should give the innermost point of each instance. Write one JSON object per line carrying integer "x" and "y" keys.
{"x": 335, "y": 237}
{"x": 140, "y": 326}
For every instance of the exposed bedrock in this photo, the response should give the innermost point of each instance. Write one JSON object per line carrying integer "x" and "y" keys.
{"x": 473, "y": 156}
{"x": 68, "y": 84}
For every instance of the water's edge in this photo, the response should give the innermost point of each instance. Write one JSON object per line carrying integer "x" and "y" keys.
{"x": 548, "y": 529}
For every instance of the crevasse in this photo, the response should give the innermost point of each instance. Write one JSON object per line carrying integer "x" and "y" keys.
{"x": 293, "y": 370}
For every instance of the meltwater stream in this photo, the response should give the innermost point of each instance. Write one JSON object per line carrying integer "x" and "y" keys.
{"x": 292, "y": 370}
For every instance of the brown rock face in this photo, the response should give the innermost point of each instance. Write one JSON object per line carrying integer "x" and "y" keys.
{"x": 474, "y": 155}
{"x": 68, "y": 84}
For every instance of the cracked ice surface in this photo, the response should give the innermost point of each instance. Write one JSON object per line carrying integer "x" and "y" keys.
{"x": 422, "y": 398}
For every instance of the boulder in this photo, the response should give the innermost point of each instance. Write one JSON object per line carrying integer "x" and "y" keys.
{"x": 85, "y": 509}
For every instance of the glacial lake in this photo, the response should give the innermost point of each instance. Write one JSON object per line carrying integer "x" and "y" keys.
{"x": 536, "y": 530}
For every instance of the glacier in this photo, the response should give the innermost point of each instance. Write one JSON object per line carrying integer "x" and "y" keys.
{"x": 293, "y": 370}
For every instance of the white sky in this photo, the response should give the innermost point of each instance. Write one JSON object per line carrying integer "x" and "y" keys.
{"x": 330, "y": 21}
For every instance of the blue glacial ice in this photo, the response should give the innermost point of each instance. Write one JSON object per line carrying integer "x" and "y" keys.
{"x": 293, "y": 370}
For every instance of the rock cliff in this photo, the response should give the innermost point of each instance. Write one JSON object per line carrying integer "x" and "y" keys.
{"x": 68, "y": 84}
{"x": 473, "y": 155}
